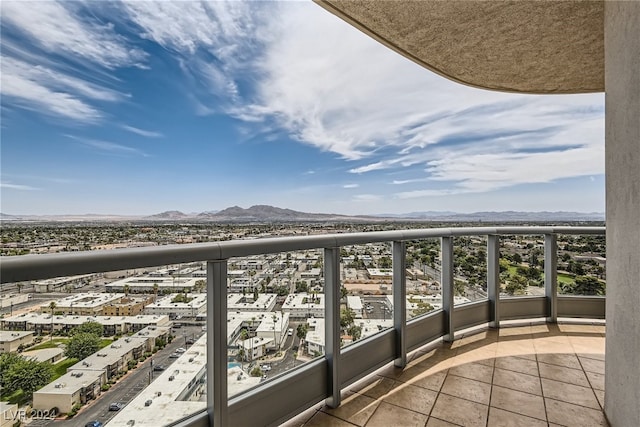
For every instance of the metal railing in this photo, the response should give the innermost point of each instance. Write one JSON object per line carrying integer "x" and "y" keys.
{"x": 323, "y": 378}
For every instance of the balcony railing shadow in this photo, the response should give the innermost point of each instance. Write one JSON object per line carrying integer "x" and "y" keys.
{"x": 526, "y": 375}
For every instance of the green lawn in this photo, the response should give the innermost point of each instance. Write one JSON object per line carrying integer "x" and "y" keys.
{"x": 60, "y": 369}
{"x": 565, "y": 278}
{"x": 49, "y": 343}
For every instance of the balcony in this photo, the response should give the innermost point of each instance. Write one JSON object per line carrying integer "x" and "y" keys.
{"x": 392, "y": 372}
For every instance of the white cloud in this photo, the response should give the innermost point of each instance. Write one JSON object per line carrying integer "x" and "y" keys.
{"x": 367, "y": 197}
{"x": 109, "y": 147}
{"x": 40, "y": 88}
{"x": 57, "y": 28}
{"x": 350, "y": 186}
{"x": 142, "y": 132}
{"x": 20, "y": 187}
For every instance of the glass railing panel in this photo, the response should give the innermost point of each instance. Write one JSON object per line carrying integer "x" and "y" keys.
{"x": 581, "y": 265}
{"x": 522, "y": 265}
{"x": 470, "y": 267}
{"x": 366, "y": 305}
{"x": 424, "y": 293}
{"x": 276, "y": 307}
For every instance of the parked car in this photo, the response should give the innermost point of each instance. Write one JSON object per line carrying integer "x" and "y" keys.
{"x": 265, "y": 367}
{"x": 116, "y": 406}
{"x": 189, "y": 341}
{"x": 290, "y": 332}
{"x": 93, "y": 424}
{"x": 181, "y": 350}
{"x": 174, "y": 356}
{"x": 158, "y": 368}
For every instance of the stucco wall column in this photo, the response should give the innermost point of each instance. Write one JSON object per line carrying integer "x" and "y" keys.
{"x": 622, "y": 123}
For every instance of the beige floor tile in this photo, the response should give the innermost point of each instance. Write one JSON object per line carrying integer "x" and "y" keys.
{"x": 517, "y": 381}
{"x": 390, "y": 415}
{"x": 299, "y": 419}
{"x": 592, "y": 365}
{"x": 564, "y": 374}
{"x": 567, "y": 359}
{"x": 568, "y": 414}
{"x": 518, "y": 364}
{"x": 434, "y": 422}
{"x": 355, "y": 408}
{"x": 596, "y": 380}
{"x": 515, "y": 348}
{"x": 527, "y": 404}
{"x": 474, "y": 371}
{"x": 411, "y": 397}
{"x": 600, "y": 396}
{"x": 432, "y": 382}
{"x": 465, "y": 388}
{"x": 523, "y": 331}
{"x": 378, "y": 388}
{"x": 460, "y": 411}
{"x": 569, "y": 393}
{"x": 478, "y": 355}
{"x": 321, "y": 419}
{"x": 596, "y": 356}
{"x": 540, "y": 329}
{"x": 500, "y": 418}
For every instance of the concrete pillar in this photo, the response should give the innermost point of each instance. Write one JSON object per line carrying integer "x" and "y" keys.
{"x": 622, "y": 124}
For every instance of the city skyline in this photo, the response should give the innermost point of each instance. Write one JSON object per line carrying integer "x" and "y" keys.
{"x": 142, "y": 107}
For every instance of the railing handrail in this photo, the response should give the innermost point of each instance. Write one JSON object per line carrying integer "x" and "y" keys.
{"x": 36, "y": 267}
{"x": 324, "y": 378}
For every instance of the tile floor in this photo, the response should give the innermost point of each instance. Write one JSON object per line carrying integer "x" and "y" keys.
{"x": 525, "y": 375}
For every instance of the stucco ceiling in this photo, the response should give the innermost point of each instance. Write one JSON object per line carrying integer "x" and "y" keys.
{"x": 513, "y": 46}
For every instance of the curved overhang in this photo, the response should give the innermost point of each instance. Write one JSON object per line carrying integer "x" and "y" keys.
{"x": 540, "y": 47}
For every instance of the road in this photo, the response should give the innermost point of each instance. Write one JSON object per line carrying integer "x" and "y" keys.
{"x": 127, "y": 388}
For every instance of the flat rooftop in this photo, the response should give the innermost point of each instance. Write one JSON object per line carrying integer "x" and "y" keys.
{"x": 8, "y": 336}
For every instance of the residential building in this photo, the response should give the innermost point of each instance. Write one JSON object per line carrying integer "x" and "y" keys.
{"x": 12, "y": 341}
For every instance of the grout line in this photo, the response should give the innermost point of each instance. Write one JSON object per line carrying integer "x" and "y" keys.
{"x": 544, "y": 402}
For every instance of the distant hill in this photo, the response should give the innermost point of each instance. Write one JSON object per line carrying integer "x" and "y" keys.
{"x": 169, "y": 215}
{"x": 266, "y": 214}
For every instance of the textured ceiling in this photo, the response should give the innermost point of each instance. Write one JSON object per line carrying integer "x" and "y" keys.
{"x": 513, "y": 46}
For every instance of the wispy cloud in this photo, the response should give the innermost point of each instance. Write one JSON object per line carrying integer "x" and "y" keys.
{"x": 20, "y": 187}
{"x": 109, "y": 147}
{"x": 142, "y": 132}
{"x": 57, "y": 28}
{"x": 367, "y": 197}
{"x": 42, "y": 89}
{"x": 351, "y": 186}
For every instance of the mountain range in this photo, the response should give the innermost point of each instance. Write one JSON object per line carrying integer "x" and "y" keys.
{"x": 266, "y": 214}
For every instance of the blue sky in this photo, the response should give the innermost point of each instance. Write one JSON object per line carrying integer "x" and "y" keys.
{"x": 141, "y": 107}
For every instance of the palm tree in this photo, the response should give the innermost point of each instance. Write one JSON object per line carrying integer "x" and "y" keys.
{"x": 155, "y": 292}
{"x": 243, "y": 336}
{"x": 52, "y": 306}
{"x": 126, "y": 290}
{"x": 274, "y": 330}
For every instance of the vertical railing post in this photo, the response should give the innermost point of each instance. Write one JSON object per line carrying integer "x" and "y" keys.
{"x": 551, "y": 276}
{"x": 493, "y": 279}
{"x": 446, "y": 283}
{"x": 332, "y": 323}
{"x": 400, "y": 302}
{"x": 217, "y": 394}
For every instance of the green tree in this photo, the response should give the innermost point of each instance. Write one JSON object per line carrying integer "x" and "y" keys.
{"x": 355, "y": 331}
{"x": 52, "y": 307}
{"x": 384, "y": 262}
{"x": 343, "y": 292}
{"x": 94, "y": 328}
{"x": 584, "y": 285}
{"x": 17, "y": 373}
{"x": 516, "y": 285}
{"x": 82, "y": 345}
{"x": 126, "y": 289}
{"x": 301, "y": 330}
{"x": 347, "y": 317}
